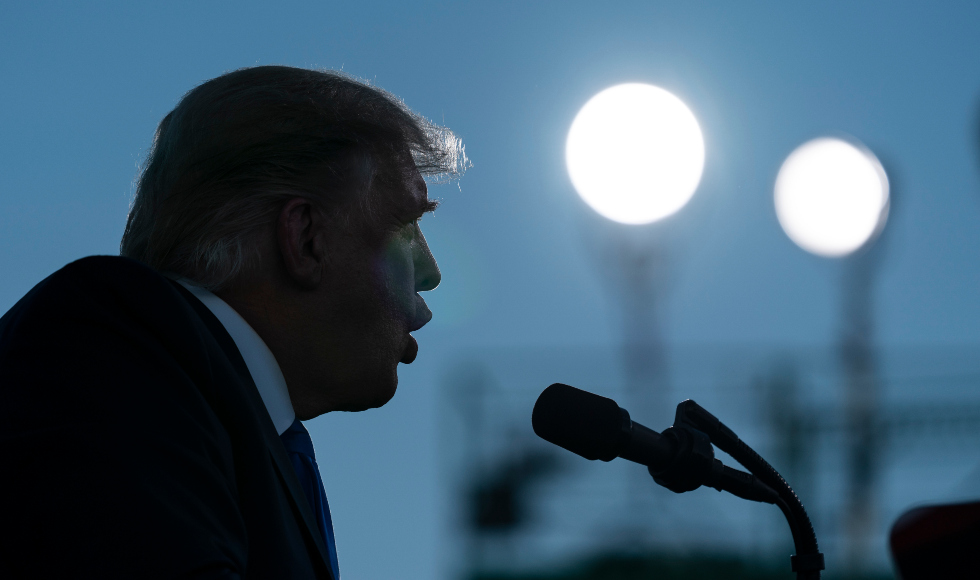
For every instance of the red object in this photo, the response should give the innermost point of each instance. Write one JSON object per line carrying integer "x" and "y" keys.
{"x": 941, "y": 541}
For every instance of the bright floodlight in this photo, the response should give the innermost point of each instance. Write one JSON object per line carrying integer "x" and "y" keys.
{"x": 635, "y": 153}
{"x": 831, "y": 196}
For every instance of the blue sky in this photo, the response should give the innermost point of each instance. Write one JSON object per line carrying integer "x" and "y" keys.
{"x": 83, "y": 86}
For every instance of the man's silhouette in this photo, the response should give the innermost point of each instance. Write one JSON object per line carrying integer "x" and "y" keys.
{"x": 270, "y": 272}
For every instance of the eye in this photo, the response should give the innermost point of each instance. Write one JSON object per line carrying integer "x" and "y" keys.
{"x": 407, "y": 231}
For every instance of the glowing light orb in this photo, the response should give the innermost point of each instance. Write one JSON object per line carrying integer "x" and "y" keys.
{"x": 635, "y": 153}
{"x": 831, "y": 196}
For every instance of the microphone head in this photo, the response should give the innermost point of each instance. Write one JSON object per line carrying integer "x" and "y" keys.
{"x": 581, "y": 422}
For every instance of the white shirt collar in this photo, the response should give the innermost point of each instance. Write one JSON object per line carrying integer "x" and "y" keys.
{"x": 260, "y": 361}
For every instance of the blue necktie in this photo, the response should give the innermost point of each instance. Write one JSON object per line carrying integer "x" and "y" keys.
{"x": 298, "y": 444}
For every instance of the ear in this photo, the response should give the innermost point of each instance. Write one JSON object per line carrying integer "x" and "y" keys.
{"x": 301, "y": 235}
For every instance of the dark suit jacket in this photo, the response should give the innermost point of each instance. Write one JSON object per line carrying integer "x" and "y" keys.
{"x": 133, "y": 442}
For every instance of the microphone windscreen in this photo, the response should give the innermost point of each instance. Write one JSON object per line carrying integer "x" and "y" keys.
{"x": 581, "y": 422}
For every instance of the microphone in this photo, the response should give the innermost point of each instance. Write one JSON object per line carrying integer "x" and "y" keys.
{"x": 680, "y": 459}
{"x": 596, "y": 428}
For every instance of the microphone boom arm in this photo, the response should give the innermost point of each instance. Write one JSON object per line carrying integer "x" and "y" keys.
{"x": 681, "y": 458}
{"x": 699, "y": 424}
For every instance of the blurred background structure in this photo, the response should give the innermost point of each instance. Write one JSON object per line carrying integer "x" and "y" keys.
{"x": 857, "y": 376}
{"x": 565, "y": 516}
{"x": 833, "y": 199}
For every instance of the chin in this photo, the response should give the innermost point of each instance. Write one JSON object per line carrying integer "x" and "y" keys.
{"x": 385, "y": 392}
{"x": 377, "y": 395}
{"x": 387, "y": 396}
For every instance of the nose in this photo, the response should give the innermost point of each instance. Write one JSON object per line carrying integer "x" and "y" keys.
{"x": 427, "y": 274}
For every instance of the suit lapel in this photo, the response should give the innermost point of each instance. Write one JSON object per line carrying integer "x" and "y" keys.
{"x": 287, "y": 475}
{"x": 290, "y": 481}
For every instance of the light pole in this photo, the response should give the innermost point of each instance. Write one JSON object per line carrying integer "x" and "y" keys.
{"x": 635, "y": 155}
{"x": 832, "y": 200}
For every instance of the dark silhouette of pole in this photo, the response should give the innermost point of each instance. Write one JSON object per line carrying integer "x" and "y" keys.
{"x": 862, "y": 402}
{"x": 644, "y": 272}
{"x": 635, "y": 264}
{"x": 865, "y": 439}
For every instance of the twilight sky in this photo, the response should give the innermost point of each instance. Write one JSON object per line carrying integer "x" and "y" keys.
{"x": 83, "y": 88}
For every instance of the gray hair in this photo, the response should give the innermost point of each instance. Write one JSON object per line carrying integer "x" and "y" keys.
{"x": 235, "y": 148}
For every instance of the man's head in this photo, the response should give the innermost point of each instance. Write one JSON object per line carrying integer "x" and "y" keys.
{"x": 295, "y": 196}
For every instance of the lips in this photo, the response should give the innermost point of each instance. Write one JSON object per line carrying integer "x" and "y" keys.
{"x": 422, "y": 317}
{"x": 411, "y": 350}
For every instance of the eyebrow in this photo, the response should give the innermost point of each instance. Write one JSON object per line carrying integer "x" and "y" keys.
{"x": 428, "y": 206}
{"x": 414, "y": 209}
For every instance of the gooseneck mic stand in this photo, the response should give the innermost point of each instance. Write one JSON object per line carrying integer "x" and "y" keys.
{"x": 695, "y": 429}
{"x": 680, "y": 459}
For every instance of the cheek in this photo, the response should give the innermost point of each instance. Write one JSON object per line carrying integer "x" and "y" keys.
{"x": 396, "y": 275}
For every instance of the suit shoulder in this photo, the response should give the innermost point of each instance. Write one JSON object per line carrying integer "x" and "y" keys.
{"x": 90, "y": 332}
{"x": 103, "y": 271}
{"x": 94, "y": 287}
{"x": 95, "y": 276}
